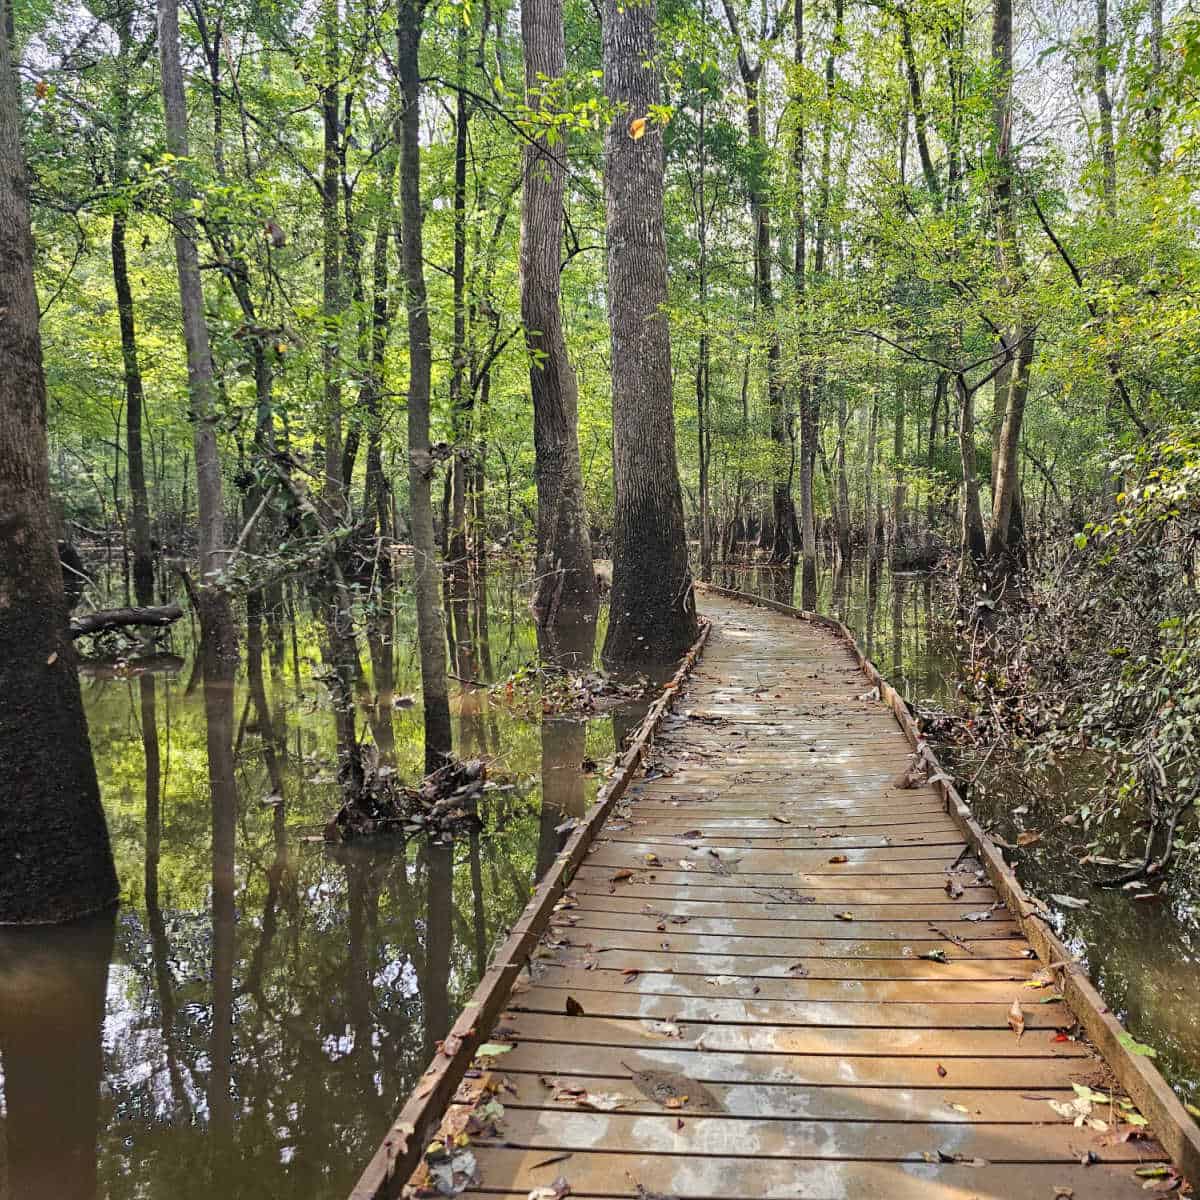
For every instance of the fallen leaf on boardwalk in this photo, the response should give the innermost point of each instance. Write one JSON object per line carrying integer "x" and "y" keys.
{"x": 839, "y": 858}
{"x": 1040, "y": 980}
{"x": 663, "y": 1029}
{"x": 492, "y": 1049}
{"x": 844, "y": 916}
{"x": 1063, "y": 1193}
{"x": 781, "y": 820}
{"x": 672, "y": 1090}
{"x": 720, "y": 980}
{"x": 984, "y": 914}
{"x": 623, "y": 874}
{"x": 1069, "y": 901}
{"x": 631, "y": 973}
{"x": 948, "y": 1156}
{"x": 603, "y": 1101}
{"x": 961, "y": 1108}
{"x": 574, "y": 1008}
{"x": 455, "y": 1173}
{"x": 954, "y": 889}
{"x": 935, "y": 956}
{"x": 1016, "y": 1019}
{"x": 652, "y": 860}
{"x": 555, "y": 1191}
{"x": 1029, "y": 837}
{"x": 942, "y": 1072}
{"x": 798, "y": 969}
{"x": 684, "y": 865}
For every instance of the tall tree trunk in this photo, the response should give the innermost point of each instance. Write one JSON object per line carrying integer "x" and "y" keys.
{"x": 143, "y": 561}
{"x": 1007, "y": 530}
{"x": 869, "y": 482}
{"x": 216, "y": 623}
{"x": 334, "y": 489}
{"x": 54, "y": 843}
{"x": 653, "y": 610}
{"x": 972, "y": 543}
{"x": 841, "y": 510}
{"x": 899, "y": 488}
{"x": 1104, "y": 107}
{"x": 703, "y": 352}
{"x": 431, "y": 634}
{"x": 808, "y": 395}
{"x": 1154, "y": 117}
{"x": 564, "y": 597}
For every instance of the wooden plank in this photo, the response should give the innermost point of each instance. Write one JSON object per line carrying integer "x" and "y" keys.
{"x": 791, "y": 1040}
{"x": 789, "y": 1139}
{"x": 1026, "y": 1074}
{"x": 917, "y": 991}
{"x": 594, "y": 1173}
{"x": 915, "y": 908}
{"x": 715, "y": 1007}
{"x": 402, "y": 1147}
{"x": 943, "y": 1105}
{"x": 887, "y": 929}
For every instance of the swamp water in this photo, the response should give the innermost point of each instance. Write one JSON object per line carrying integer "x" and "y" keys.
{"x": 1144, "y": 957}
{"x": 248, "y": 1022}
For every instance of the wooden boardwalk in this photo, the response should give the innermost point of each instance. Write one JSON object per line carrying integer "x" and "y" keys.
{"x": 780, "y": 971}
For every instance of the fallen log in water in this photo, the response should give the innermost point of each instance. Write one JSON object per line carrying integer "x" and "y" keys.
{"x": 121, "y": 618}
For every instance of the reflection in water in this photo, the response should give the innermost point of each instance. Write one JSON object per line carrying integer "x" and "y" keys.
{"x": 264, "y": 1002}
{"x": 52, "y": 984}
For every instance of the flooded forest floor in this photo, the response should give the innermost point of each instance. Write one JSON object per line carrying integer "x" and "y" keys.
{"x": 249, "y": 1020}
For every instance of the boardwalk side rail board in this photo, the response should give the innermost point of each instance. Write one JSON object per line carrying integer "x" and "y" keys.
{"x": 404, "y": 1144}
{"x": 1137, "y": 1074}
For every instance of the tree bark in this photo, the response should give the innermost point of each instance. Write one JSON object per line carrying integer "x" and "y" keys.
{"x": 54, "y": 843}
{"x": 1104, "y": 107}
{"x": 143, "y": 562}
{"x": 215, "y": 621}
{"x": 972, "y": 542}
{"x": 431, "y": 634}
{"x": 653, "y": 610}
{"x": 335, "y": 489}
{"x": 564, "y": 598}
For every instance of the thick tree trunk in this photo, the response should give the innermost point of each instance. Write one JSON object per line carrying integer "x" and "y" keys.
{"x": 431, "y": 634}
{"x": 1007, "y": 532}
{"x": 54, "y": 844}
{"x": 215, "y": 620}
{"x": 335, "y": 489}
{"x": 564, "y": 598}
{"x": 653, "y": 611}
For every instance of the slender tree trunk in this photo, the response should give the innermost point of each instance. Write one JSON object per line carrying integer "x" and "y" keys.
{"x": 1007, "y": 521}
{"x": 334, "y": 489}
{"x": 653, "y": 611}
{"x": 431, "y": 634}
{"x": 972, "y": 543}
{"x": 703, "y": 427}
{"x": 143, "y": 561}
{"x": 54, "y": 843}
{"x": 1104, "y": 106}
{"x": 564, "y": 597}
{"x": 215, "y": 621}
{"x": 899, "y": 489}
{"x": 841, "y": 512}
{"x": 808, "y": 396}
{"x": 869, "y": 483}
{"x": 1154, "y": 117}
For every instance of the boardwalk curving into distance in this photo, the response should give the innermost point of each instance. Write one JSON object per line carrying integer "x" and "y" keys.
{"x": 781, "y": 968}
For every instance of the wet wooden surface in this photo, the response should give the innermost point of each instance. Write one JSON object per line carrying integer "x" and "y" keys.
{"x": 780, "y": 973}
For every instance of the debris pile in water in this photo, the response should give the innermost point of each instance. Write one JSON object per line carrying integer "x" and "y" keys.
{"x": 442, "y": 802}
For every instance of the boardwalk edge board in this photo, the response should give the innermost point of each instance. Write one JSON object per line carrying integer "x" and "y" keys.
{"x": 1137, "y": 1074}
{"x": 404, "y": 1144}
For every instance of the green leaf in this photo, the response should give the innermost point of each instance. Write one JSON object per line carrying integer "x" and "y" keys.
{"x": 1135, "y": 1047}
{"x": 492, "y": 1049}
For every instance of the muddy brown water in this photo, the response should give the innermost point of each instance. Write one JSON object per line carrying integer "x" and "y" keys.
{"x": 247, "y": 1023}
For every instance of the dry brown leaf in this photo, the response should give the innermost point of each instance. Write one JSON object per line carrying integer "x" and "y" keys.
{"x": 1016, "y": 1019}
